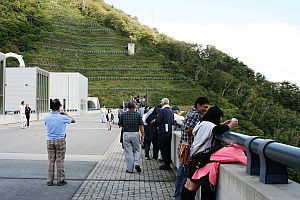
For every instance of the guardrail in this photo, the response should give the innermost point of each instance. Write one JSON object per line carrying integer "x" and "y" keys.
{"x": 14, "y": 112}
{"x": 266, "y": 158}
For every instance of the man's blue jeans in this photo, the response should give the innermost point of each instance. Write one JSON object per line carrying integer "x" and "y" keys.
{"x": 180, "y": 181}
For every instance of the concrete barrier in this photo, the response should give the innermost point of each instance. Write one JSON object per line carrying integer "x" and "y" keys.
{"x": 234, "y": 183}
{"x": 15, "y": 118}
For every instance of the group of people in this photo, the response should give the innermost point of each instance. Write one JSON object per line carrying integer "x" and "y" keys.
{"x": 198, "y": 130}
{"x": 25, "y": 111}
{"x": 202, "y": 123}
{"x": 158, "y": 126}
{"x": 140, "y": 102}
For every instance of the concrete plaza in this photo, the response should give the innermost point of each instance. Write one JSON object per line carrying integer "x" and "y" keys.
{"x": 95, "y": 167}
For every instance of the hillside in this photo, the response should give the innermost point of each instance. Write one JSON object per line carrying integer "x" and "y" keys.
{"x": 74, "y": 42}
{"x": 91, "y": 37}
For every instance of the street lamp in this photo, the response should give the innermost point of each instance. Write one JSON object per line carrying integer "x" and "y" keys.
{"x": 2, "y": 82}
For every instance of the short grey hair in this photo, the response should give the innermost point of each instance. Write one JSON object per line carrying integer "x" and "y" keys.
{"x": 164, "y": 101}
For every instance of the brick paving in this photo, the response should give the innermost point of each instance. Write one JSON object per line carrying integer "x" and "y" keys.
{"x": 109, "y": 179}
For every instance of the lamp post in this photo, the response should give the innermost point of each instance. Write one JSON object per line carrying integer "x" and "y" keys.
{"x": 2, "y": 82}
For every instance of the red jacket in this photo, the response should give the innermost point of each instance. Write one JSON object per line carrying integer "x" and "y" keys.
{"x": 229, "y": 154}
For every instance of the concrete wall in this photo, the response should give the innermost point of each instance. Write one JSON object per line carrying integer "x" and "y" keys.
{"x": 14, "y": 118}
{"x": 235, "y": 184}
{"x": 73, "y": 87}
{"x": 20, "y": 86}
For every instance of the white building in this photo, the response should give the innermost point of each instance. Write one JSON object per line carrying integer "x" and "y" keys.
{"x": 71, "y": 89}
{"x": 36, "y": 87}
{"x": 30, "y": 85}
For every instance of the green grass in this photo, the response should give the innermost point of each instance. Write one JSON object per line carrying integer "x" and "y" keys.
{"x": 110, "y": 92}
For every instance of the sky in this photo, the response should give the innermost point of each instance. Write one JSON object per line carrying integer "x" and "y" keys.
{"x": 263, "y": 34}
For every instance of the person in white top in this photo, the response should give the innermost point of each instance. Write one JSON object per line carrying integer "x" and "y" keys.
{"x": 22, "y": 114}
{"x": 177, "y": 117}
{"x": 103, "y": 114}
{"x": 204, "y": 137}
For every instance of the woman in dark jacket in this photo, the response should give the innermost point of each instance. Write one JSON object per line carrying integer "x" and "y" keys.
{"x": 151, "y": 135}
{"x": 204, "y": 133}
{"x": 27, "y": 113}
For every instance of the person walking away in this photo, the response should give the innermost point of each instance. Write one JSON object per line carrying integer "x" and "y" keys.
{"x": 56, "y": 144}
{"x": 204, "y": 137}
{"x": 109, "y": 118}
{"x": 191, "y": 119}
{"x": 27, "y": 113}
{"x": 165, "y": 121}
{"x": 132, "y": 124}
{"x": 151, "y": 135}
{"x": 22, "y": 114}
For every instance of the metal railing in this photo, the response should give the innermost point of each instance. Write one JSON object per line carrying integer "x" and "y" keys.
{"x": 266, "y": 158}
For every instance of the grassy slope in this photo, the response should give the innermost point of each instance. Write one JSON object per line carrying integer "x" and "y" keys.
{"x": 65, "y": 33}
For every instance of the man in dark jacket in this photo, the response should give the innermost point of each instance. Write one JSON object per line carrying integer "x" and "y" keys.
{"x": 165, "y": 120}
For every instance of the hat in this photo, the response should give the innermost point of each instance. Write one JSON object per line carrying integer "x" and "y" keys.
{"x": 176, "y": 109}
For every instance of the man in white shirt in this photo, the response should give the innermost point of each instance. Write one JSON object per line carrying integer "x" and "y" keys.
{"x": 22, "y": 114}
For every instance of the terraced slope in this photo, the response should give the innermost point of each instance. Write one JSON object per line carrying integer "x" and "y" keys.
{"x": 79, "y": 44}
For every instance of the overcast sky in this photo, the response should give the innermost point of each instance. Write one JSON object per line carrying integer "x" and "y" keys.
{"x": 264, "y": 34}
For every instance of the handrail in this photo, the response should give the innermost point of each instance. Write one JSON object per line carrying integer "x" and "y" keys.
{"x": 267, "y": 158}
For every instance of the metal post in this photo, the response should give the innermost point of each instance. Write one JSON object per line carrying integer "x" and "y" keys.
{"x": 253, "y": 164}
{"x": 271, "y": 171}
{"x": 2, "y": 73}
{"x": 68, "y": 93}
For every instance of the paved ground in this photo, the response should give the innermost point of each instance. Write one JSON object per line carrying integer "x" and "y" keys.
{"x": 23, "y": 158}
{"x": 95, "y": 166}
{"x": 109, "y": 180}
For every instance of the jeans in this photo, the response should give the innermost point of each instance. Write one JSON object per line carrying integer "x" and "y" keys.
{"x": 180, "y": 181}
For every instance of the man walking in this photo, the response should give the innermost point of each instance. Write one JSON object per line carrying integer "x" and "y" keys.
{"x": 165, "y": 121}
{"x": 192, "y": 118}
{"x": 56, "y": 143}
{"x": 132, "y": 123}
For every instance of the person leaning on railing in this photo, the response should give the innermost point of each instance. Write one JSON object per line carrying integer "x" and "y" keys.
{"x": 204, "y": 137}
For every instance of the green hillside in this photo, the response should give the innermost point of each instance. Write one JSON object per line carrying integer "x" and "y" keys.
{"x": 72, "y": 41}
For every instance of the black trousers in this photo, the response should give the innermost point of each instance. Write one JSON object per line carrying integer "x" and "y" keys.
{"x": 27, "y": 117}
{"x": 155, "y": 147}
{"x": 164, "y": 141}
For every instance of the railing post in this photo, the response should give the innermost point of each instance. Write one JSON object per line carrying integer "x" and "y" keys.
{"x": 253, "y": 164}
{"x": 270, "y": 171}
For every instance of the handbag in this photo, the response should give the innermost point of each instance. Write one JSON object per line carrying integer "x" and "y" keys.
{"x": 184, "y": 153}
{"x": 200, "y": 159}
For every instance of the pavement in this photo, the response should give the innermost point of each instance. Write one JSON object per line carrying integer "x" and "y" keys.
{"x": 95, "y": 166}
